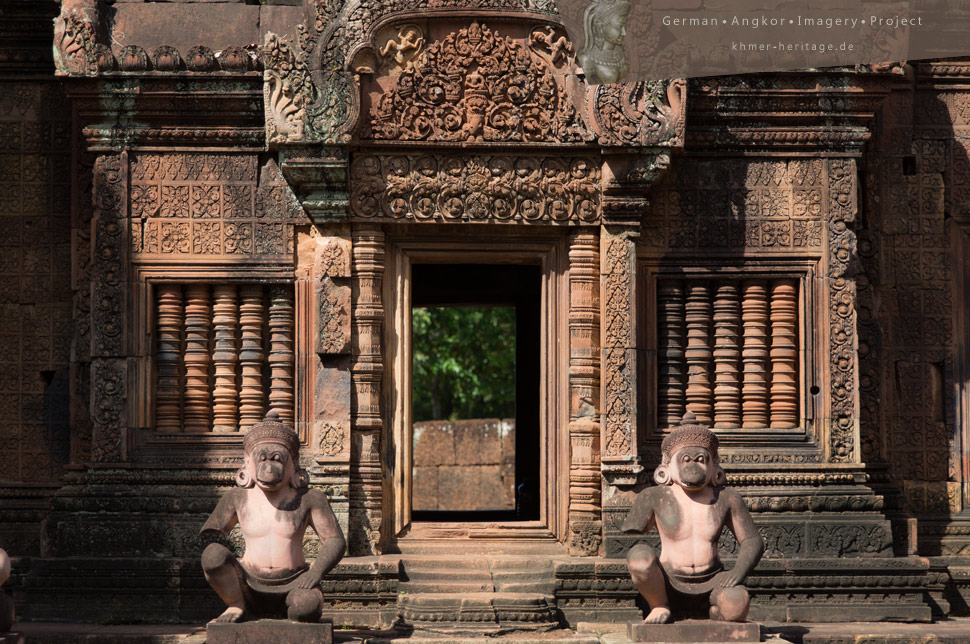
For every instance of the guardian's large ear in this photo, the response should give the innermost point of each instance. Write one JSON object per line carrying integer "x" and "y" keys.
{"x": 244, "y": 475}
{"x": 719, "y": 478}
{"x": 661, "y": 475}
{"x": 301, "y": 478}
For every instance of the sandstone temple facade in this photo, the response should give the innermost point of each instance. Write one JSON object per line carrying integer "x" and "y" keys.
{"x": 213, "y": 209}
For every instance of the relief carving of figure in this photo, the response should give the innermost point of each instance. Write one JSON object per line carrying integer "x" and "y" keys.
{"x": 273, "y": 506}
{"x": 604, "y": 24}
{"x": 690, "y": 507}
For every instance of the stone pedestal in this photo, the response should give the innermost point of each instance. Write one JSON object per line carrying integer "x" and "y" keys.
{"x": 701, "y": 630}
{"x": 6, "y": 612}
{"x": 269, "y": 631}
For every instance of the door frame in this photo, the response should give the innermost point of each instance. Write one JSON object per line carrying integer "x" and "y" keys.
{"x": 411, "y": 244}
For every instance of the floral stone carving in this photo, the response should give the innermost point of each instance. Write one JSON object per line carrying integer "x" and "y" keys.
{"x": 476, "y": 85}
{"x": 458, "y": 188}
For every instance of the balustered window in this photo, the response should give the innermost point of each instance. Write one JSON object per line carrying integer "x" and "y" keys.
{"x": 729, "y": 350}
{"x": 224, "y": 355}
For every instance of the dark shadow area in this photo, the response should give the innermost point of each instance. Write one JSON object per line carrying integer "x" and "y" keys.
{"x": 480, "y": 285}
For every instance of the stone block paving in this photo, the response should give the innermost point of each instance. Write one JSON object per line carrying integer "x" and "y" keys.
{"x": 955, "y": 631}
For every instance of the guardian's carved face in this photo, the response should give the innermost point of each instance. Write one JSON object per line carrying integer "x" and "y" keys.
{"x": 272, "y": 466}
{"x": 692, "y": 468}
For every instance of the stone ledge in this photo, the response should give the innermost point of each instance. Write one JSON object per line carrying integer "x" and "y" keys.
{"x": 695, "y": 631}
{"x": 269, "y": 631}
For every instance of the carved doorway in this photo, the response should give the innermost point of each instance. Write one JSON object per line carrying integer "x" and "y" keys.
{"x": 518, "y": 284}
{"x": 475, "y": 392}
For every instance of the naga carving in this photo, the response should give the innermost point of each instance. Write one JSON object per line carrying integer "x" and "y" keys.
{"x": 286, "y": 90}
{"x": 641, "y": 113}
{"x": 75, "y": 49}
{"x": 476, "y": 85}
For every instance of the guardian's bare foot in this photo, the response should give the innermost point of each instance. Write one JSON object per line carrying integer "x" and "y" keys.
{"x": 230, "y": 615}
{"x": 658, "y": 615}
{"x": 715, "y": 614}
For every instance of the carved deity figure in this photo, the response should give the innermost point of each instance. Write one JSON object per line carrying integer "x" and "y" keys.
{"x": 604, "y": 26}
{"x": 690, "y": 507}
{"x": 273, "y": 506}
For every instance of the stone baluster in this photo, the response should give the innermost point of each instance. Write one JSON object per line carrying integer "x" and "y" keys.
{"x": 754, "y": 354}
{"x": 251, "y": 317}
{"x": 281, "y": 351}
{"x": 784, "y": 353}
{"x": 225, "y": 400}
{"x": 698, "y": 354}
{"x": 198, "y": 321}
{"x": 727, "y": 354}
{"x": 672, "y": 340}
{"x": 168, "y": 391}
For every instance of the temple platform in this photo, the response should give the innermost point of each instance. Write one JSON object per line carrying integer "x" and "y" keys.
{"x": 954, "y": 631}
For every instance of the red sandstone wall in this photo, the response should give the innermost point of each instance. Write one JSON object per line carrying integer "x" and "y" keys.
{"x": 464, "y": 465}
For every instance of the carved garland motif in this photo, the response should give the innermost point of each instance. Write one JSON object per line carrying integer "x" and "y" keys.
{"x": 108, "y": 267}
{"x": 618, "y": 365}
{"x": 475, "y": 188}
{"x": 476, "y": 85}
{"x": 842, "y": 314}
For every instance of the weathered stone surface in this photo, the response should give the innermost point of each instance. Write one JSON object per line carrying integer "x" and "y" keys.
{"x": 269, "y": 631}
{"x": 184, "y": 25}
{"x": 694, "y": 631}
{"x": 434, "y": 444}
{"x": 477, "y": 442}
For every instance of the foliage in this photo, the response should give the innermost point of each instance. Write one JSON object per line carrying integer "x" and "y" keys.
{"x": 463, "y": 362}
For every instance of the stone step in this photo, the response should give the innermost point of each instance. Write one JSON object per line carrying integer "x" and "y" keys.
{"x": 539, "y": 587}
{"x": 437, "y": 586}
{"x": 485, "y": 612}
{"x": 436, "y": 562}
{"x": 446, "y": 574}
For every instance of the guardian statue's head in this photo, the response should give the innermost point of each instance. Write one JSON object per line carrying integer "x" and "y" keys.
{"x": 272, "y": 456}
{"x": 690, "y": 457}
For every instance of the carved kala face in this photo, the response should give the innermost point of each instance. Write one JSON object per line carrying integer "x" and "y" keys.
{"x": 691, "y": 467}
{"x": 272, "y": 466}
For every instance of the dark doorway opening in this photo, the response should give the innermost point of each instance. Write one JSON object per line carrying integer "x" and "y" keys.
{"x": 475, "y": 336}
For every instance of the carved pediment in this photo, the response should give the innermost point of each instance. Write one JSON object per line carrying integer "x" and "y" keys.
{"x": 477, "y": 85}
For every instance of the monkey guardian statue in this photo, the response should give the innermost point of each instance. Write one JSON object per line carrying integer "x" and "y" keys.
{"x": 273, "y": 507}
{"x": 690, "y": 507}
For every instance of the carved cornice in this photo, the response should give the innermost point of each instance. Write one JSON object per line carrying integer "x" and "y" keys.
{"x": 320, "y": 179}
{"x": 830, "y": 110}
{"x": 953, "y": 72}
{"x": 121, "y": 109}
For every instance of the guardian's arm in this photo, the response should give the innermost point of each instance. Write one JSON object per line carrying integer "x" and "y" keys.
{"x": 332, "y": 543}
{"x": 641, "y": 514}
{"x": 223, "y": 518}
{"x": 750, "y": 543}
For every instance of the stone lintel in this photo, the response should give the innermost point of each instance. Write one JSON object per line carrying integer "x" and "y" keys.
{"x": 269, "y": 631}
{"x": 700, "y": 630}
